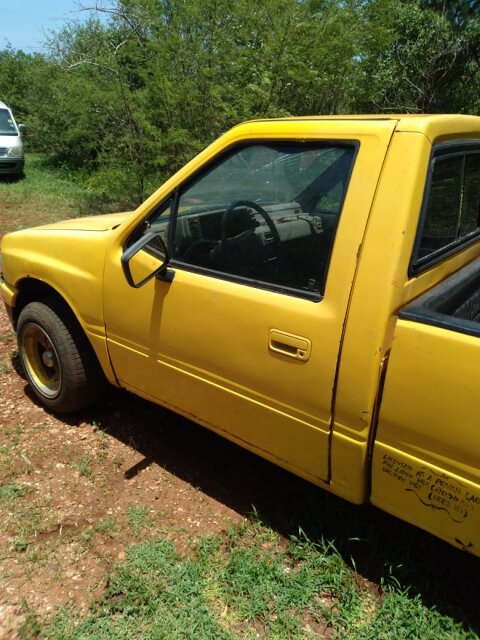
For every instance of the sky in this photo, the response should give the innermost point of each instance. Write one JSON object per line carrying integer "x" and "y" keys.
{"x": 25, "y": 23}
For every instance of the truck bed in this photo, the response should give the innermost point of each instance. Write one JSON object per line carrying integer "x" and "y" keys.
{"x": 426, "y": 460}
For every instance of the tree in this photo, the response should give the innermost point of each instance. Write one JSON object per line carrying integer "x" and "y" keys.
{"x": 424, "y": 59}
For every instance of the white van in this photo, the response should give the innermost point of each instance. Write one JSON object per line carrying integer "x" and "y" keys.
{"x": 11, "y": 146}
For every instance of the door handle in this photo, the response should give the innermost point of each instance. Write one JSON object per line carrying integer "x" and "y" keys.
{"x": 289, "y": 345}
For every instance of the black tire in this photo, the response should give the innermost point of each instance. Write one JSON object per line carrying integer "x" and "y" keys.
{"x": 57, "y": 358}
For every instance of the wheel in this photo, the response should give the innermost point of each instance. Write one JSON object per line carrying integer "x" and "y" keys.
{"x": 57, "y": 358}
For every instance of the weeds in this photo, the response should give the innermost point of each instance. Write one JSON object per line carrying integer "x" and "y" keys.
{"x": 86, "y": 537}
{"x": 139, "y": 518}
{"x": 4, "y": 367}
{"x": 19, "y": 544}
{"x": 11, "y": 492}
{"x": 105, "y": 526}
{"x": 84, "y": 465}
{"x": 9, "y": 452}
{"x": 29, "y": 519}
{"x": 118, "y": 461}
{"x": 15, "y": 432}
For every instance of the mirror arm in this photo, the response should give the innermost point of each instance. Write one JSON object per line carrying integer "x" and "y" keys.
{"x": 165, "y": 274}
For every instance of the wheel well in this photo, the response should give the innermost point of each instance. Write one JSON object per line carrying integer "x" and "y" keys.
{"x": 31, "y": 290}
{"x": 62, "y": 367}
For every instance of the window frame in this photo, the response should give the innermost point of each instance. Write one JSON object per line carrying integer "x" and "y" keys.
{"x": 217, "y": 159}
{"x": 453, "y": 149}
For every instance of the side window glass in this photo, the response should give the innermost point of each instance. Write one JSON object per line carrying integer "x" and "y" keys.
{"x": 266, "y": 212}
{"x": 451, "y": 213}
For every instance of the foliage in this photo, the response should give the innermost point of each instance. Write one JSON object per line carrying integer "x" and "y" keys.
{"x": 128, "y": 100}
{"x": 424, "y": 62}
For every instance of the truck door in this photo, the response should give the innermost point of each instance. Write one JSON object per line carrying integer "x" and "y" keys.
{"x": 243, "y": 332}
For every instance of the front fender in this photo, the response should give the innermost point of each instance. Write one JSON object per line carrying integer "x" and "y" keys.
{"x": 71, "y": 263}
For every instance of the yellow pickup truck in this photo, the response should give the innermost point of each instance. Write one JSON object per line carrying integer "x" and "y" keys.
{"x": 307, "y": 287}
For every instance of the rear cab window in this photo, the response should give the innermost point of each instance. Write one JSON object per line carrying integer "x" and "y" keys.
{"x": 450, "y": 217}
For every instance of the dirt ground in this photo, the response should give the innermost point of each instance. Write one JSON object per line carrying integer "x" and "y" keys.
{"x": 85, "y": 487}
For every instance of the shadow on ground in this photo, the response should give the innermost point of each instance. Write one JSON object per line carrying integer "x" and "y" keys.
{"x": 379, "y": 547}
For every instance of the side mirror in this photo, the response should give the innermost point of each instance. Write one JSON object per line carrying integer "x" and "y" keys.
{"x": 21, "y": 128}
{"x": 146, "y": 258}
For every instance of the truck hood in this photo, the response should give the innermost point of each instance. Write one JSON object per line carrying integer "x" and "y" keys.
{"x": 89, "y": 223}
{"x": 10, "y": 140}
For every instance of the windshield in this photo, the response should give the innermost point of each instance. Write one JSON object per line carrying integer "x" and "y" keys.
{"x": 312, "y": 175}
{"x": 7, "y": 124}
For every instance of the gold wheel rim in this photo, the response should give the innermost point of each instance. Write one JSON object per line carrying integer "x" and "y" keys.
{"x": 41, "y": 360}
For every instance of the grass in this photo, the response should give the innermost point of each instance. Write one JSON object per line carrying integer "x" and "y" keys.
{"x": 247, "y": 584}
{"x": 106, "y": 526}
{"x": 84, "y": 465}
{"x": 10, "y": 492}
{"x": 4, "y": 367}
{"x": 139, "y": 518}
{"x": 8, "y": 451}
{"x": 21, "y": 517}
{"x": 45, "y": 194}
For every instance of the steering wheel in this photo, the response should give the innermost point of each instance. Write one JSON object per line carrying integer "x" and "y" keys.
{"x": 256, "y": 207}
{"x": 245, "y": 250}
